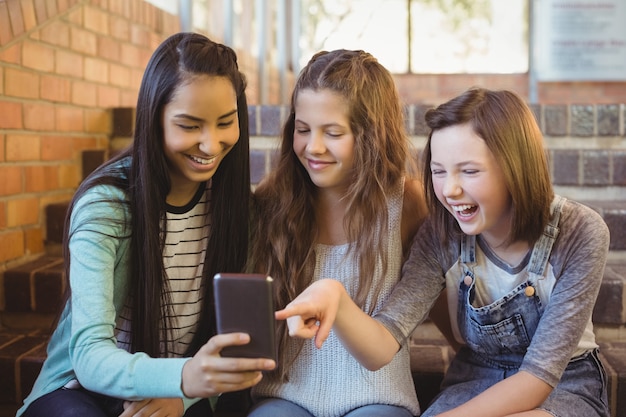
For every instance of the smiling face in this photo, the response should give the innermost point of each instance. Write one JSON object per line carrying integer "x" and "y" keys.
{"x": 200, "y": 127}
{"x": 470, "y": 184}
{"x": 322, "y": 139}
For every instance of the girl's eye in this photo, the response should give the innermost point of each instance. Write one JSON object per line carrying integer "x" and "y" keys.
{"x": 226, "y": 124}
{"x": 334, "y": 135}
{"x": 437, "y": 171}
{"x": 302, "y": 131}
{"x": 470, "y": 171}
{"x": 187, "y": 127}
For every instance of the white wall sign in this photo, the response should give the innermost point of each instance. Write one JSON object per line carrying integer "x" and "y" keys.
{"x": 580, "y": 40}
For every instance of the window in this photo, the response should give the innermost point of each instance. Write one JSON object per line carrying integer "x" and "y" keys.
{"x": 446, "y": 36}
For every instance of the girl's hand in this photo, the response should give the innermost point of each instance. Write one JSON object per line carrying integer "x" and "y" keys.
{"x": 313, "y": 312}
{"x": 154, "y": 407}
{"x": 207, "y": 373}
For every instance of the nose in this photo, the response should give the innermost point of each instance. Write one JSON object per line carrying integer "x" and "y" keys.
{"x": 451, "y": 186}
{"x": 209, "y": 142}
{"x": 316, "y": 145}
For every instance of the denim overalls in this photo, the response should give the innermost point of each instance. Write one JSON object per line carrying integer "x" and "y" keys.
{"x": 497, "y": 336}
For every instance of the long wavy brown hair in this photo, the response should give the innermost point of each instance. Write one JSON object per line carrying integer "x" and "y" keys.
{"x": 285, "y": 230}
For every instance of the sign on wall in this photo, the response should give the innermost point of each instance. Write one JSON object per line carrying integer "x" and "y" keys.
{"x": 580, "y": 40}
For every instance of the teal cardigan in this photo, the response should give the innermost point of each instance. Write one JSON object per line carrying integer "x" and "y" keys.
{"x": 83, "y": 346}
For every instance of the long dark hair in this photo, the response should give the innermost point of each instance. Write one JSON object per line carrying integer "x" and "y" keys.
{"x": 146, "y": 184}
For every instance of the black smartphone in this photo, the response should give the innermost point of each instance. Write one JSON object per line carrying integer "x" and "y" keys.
{"x": 245, "y": 303}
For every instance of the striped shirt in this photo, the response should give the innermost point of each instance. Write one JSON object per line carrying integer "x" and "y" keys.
{"x": 183, "y": 258}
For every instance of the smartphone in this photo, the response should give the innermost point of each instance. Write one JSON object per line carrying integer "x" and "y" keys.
{"x": 245, "y": 303}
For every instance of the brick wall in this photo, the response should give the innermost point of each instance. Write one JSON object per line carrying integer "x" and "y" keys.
{"x": 437, "y": 88}
{"x": 63, "y": 65}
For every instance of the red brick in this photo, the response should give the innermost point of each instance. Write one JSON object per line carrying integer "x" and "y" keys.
{"x": 128, "y": 98}
{"x": 120, "y": 7}
{"x": 10, "y": 115}
{"x": 38, "y": 178}
{"x": 34, "y": 241}
{"x": 28, "y": 11}
{"x": 88, "y": 142}
{"x": 97, "y": 121}
{"x": 11, "y": 246}
{"x": 119, "y": 75}
{"x": 120, "y": 29}
{"x": 12, "y": 54}
{"x": 11, "y": 180}
{"x": 63, "y": 5}
{"x": 108, "y": 97}
{"x": 56, "y": 33}
{"x": 171, "y": 23}
{"x": 22, "y": 84}
{"x": 22, "y": 147}
{"x": 96, "y": 20}
{"x": 39, "y": 116}
{"x": 69, "y": 176}
{"x": 69, "y": 119}
{"x": 75, "y": 17}
{"x": 16, "y": 17}
{"x": 83, "y": 41}
{"x": 69, "y": 63}
{"x": 131, "y": 55}
{"x": 96, "y": 70}
{"x": 3, "y": 215}
{"x": 41, "y": 13}
{"x": 51, "y": 5}
{"x": 2, "y": 141}
{"x": 55, "y": 88}
{"x": 84, "y": 93}
{"x": 56, "y": 148}
{"x": 108, "y": 48}
{"x": 22, "y": 212}
{"x": 5, "y": 30}
{"x": 37, "y": 56}
{"x": 139, "y": 36}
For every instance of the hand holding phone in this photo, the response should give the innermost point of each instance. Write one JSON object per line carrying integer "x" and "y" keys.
{"x": 245, "y": 303}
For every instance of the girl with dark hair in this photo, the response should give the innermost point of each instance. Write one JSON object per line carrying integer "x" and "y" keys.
{"x": 145, "y": 233}
{"x": 521, "y": 268}
{"x": 339, "y": 204}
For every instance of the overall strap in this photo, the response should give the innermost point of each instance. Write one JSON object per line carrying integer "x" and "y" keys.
{"x": 543, "y": 247}
{"x": 468, "y": 249}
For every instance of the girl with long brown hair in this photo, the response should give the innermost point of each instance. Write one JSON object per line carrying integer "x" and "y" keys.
{"x": 339, "y": 204}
